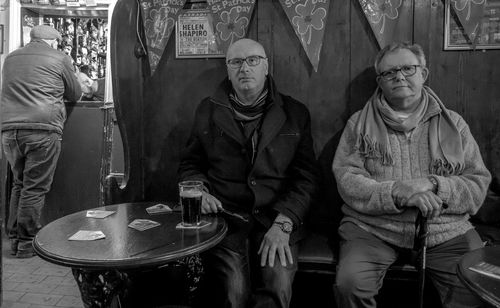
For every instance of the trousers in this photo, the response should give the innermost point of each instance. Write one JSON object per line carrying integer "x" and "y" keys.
{"x": 238, "y": 280}
{"x": 364, "y": 260}
{"x": 32, "y": 155}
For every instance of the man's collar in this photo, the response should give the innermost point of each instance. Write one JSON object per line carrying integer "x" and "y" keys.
{"x": 221, "y": 95}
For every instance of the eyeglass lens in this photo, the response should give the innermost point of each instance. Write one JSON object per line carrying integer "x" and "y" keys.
{"x": 251, "y": 61}
{"x": 406, "y": 70}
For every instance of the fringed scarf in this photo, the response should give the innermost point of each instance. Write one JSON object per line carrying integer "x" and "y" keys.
{"x": 447, "y": 156}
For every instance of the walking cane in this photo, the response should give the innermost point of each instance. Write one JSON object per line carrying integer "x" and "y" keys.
{"x": 421, "y": 240}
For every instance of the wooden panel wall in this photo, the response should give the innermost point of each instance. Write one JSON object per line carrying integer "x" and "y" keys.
{"x": 156, "y": 112}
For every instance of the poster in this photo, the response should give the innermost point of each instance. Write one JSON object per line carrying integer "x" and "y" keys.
{"x": 195, "y": 37}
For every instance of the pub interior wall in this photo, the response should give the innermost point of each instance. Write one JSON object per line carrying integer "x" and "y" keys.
{"x": 156, "y": 111}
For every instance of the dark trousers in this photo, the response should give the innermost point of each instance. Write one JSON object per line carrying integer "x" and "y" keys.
{"x": 32, "y": 155}
{"x": 237, "y": 280}
{"x": 364, "y": 260}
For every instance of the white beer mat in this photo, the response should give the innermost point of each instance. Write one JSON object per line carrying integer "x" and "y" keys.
{"x": 87, "y": 235}
{"x": 202, "y": 224}
{"x": 158, "y": 209}
{"x": 99, "y": 213}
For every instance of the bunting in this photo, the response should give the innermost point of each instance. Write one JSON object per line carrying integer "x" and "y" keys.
{"x": 231, "y": 20}
{"x": 308, "y": 19}
{"x": 390, "y": 20}
{"x": 159, "y": 20}
{"x": 469, "y": 14}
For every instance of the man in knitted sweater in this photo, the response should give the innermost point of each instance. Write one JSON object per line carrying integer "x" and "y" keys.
{"x": 402, "y": 154}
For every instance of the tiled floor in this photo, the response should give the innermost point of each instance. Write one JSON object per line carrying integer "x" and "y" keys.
{"x": 35, "y": 283}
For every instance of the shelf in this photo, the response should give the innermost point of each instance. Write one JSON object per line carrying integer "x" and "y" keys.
{"x": 100, "y": 11}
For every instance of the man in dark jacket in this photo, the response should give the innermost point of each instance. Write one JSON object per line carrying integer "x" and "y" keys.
{"x": 36, "y": 78}
{"x": 252, "y": 148}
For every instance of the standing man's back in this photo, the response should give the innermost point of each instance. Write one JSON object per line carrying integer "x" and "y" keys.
{"x": 36, "y": 80}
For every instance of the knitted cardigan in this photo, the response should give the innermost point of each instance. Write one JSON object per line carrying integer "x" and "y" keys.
{"x": 365, "y": 184}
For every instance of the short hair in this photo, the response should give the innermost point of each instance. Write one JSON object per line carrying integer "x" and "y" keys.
{"x": 416, "y": 49}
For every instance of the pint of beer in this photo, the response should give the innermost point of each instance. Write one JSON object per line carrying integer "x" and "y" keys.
{"x": 190, "y": 193}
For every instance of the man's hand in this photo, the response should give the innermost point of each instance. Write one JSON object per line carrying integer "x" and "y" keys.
{"x": 427, "y": 202}
{"x": 209, "y": 204}
{"x": 403, "y": 190}
{"x": 276, "y": 241}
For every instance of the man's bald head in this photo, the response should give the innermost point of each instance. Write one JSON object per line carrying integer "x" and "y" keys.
{"x": 247, "y": 68}
{"x": 245, "y": 44}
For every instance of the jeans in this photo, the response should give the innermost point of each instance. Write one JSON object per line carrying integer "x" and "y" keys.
{"x": 364, "y": 260}
{"x": 235, "y": 280}
{"x": 32, "y": 155}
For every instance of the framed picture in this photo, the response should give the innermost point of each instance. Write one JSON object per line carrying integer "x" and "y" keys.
{"x": 195, "y": 35}
{"x": 2, "y": 38}
{"x": 488, "y": 31}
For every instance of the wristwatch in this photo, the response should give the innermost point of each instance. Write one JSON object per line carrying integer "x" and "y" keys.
{"x": 285, "y": 226}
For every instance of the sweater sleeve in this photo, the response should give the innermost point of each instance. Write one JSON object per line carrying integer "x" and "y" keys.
{"x": 356, "y": 186}
{"x": 466, "y": 192}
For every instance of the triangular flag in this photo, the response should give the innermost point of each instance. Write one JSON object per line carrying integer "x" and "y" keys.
{"x": 308, "y": 19}
{"x": 159, "y": 20}
{"x": 469, "y": 15}
{"x": 231, "y": 20}
{"x": 390, "y": 20}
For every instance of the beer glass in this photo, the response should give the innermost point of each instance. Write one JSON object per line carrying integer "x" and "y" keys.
{"x": 190, "y": 193}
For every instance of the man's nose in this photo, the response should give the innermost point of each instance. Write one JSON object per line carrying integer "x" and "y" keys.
{"x": 399, "y": 76}
{"x": 244, "y": 66}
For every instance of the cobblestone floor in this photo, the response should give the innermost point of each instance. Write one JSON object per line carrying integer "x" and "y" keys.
{"x": 35, "y": 283}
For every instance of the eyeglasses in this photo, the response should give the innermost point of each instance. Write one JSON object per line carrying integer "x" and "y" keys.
{"x": 251, "y": 61}
{"x": 406, "y": 70}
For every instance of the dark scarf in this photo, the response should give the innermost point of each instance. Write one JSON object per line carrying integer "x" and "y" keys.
{"x": 447, "y": 156}
{"x": 250, "y": 117}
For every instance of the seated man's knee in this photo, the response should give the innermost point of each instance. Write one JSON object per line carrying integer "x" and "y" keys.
{"x": 351, "y": 281}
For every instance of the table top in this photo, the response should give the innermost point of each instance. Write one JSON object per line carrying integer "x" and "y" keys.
{"x": 124, "y": 247}
{"x": 488, "y": 288}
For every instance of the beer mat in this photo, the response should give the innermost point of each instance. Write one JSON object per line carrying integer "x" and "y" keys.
{"x": 143, "y": 224}
{"x": 86, "y": 235}
{"x": 487, "y": 269}
{"x": 98, "y": 213}
{"x": 158, "y": 209}
{"x": 202, "y": 224}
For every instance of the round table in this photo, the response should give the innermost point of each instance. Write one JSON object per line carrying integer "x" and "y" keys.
{"x": 487, "y": 288}
{"x": 124, "y": 247}
{"x": 124, "y": 250}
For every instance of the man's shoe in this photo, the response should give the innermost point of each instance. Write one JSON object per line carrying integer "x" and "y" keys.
{"x": 13, "y": 246}
{"x": 25, "y": 253}
{"x": 25, "y": 250}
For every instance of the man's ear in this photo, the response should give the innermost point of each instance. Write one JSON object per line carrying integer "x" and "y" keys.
{"x": 425, "y": 73}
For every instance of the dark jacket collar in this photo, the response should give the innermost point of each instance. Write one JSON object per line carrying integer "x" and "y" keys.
{"x": 221, "y": 95}
{"x": 273, "y": 120}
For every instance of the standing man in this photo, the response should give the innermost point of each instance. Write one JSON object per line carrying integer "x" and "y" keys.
{"x": 252, "y": 148}
{"x": 36, "y": 78}
{"x": 405, "y": 153}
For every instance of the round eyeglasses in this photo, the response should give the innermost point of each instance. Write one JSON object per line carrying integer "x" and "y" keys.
{"x": 406, "y": 70}
{"x": 250, "y": 60}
